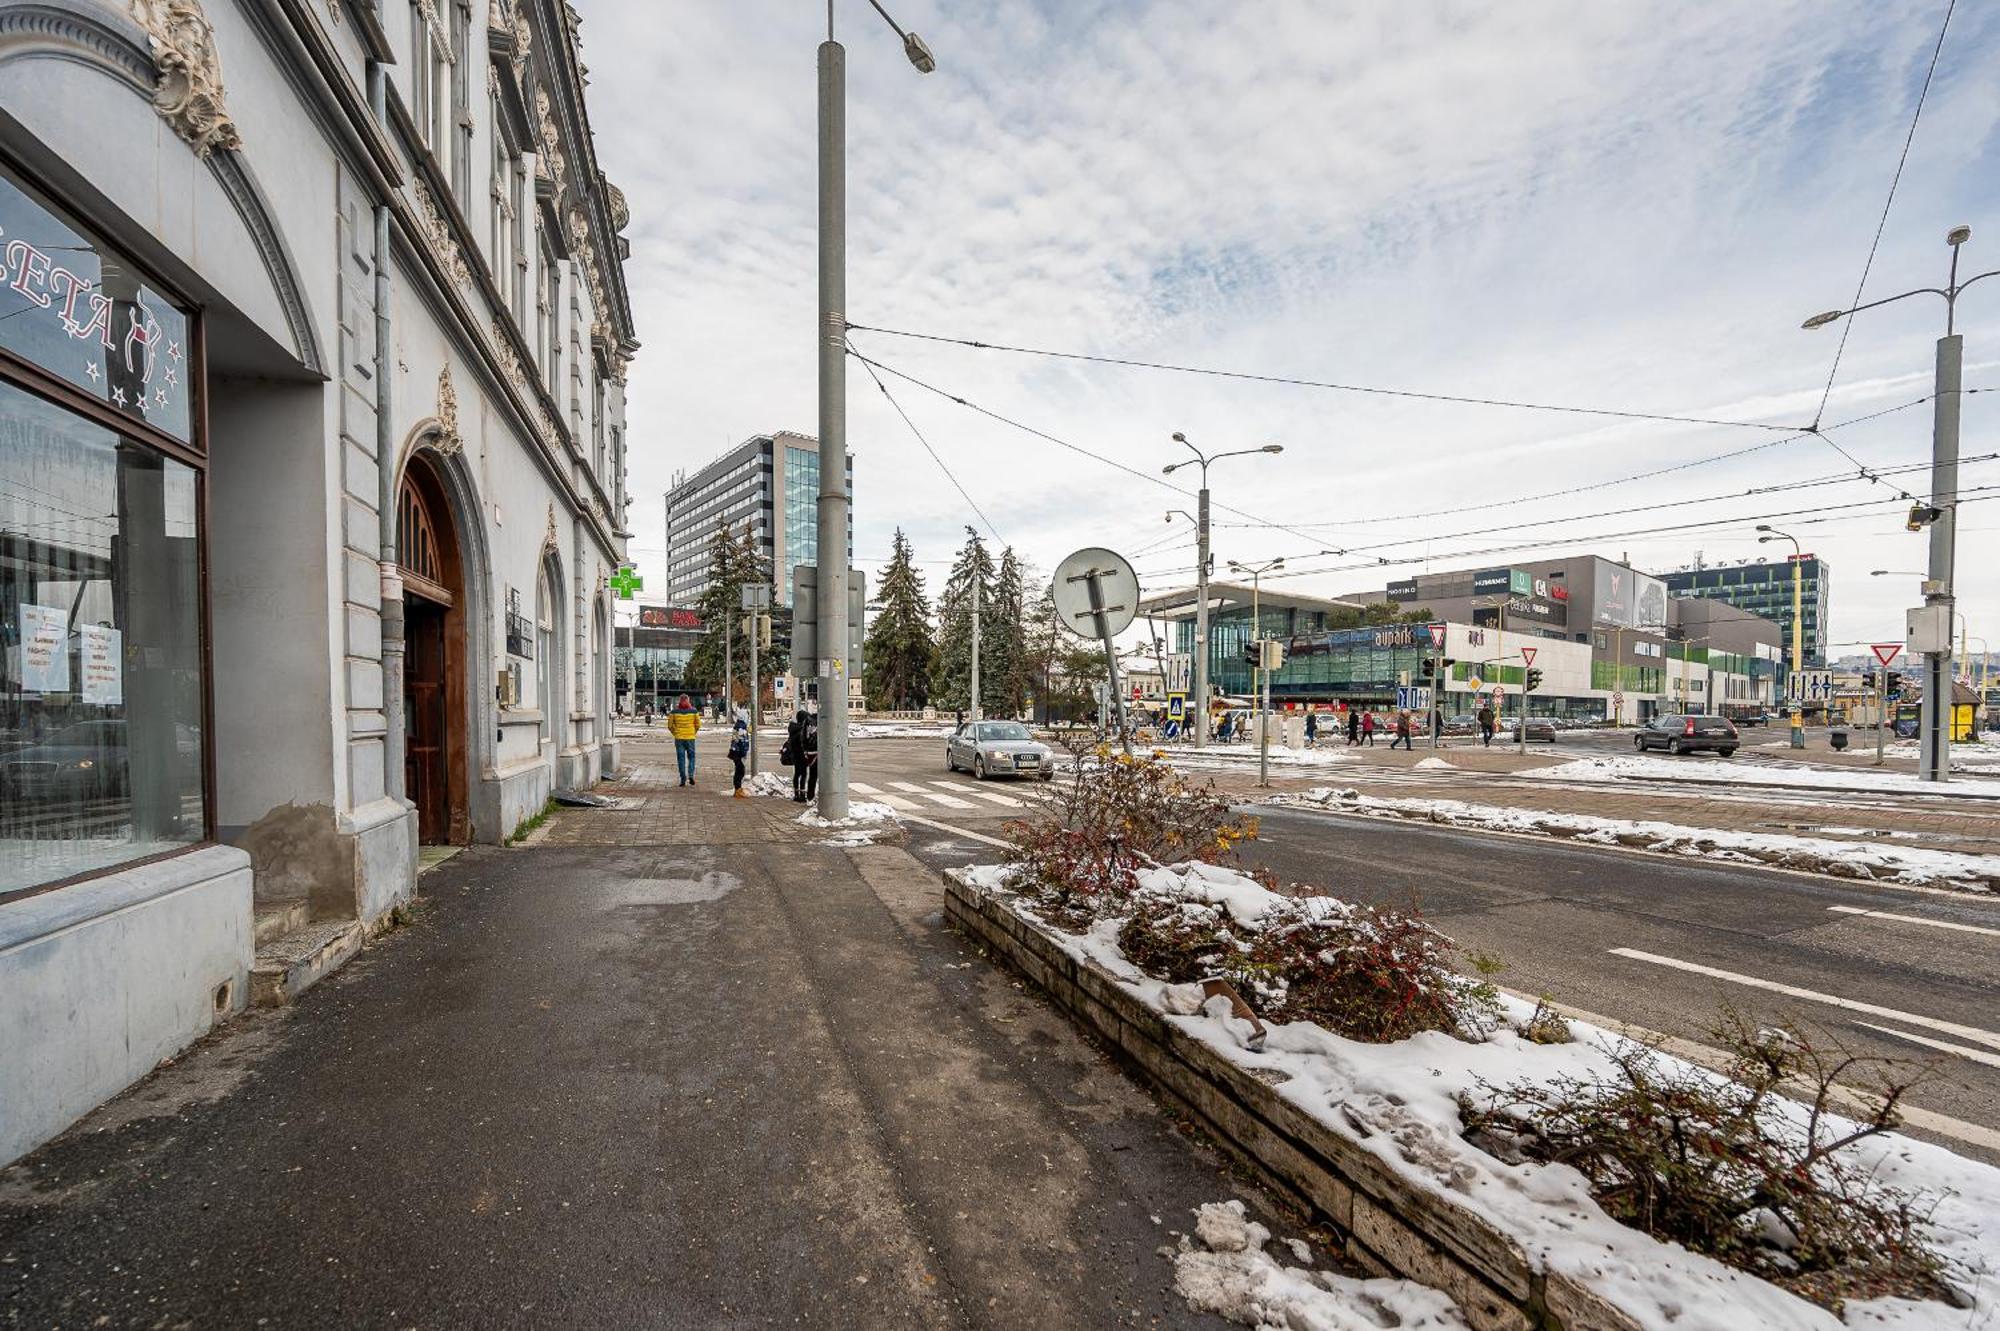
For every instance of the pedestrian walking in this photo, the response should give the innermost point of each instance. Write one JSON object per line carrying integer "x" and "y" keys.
{"x": 1312, "y": 729}
{"x": 1402, "y": 732}
{"x": 684, "y": 723}
{"x": 1222, "y": 731}
{"x": 1486, "y": 724}
{"x": 802, "y": 752}
{"x": 739, "y": 749}
{"x": 1437, "y": 724}
{"x": 1368, "y": 729}
{"x": 1353, "y": 727}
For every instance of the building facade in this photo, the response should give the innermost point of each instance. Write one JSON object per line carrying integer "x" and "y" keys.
{"x": 769, "y": 483}
{"x": 313, "y": 341}
{"x": 1765, "y": 589}
{"x": 653, "y": 656}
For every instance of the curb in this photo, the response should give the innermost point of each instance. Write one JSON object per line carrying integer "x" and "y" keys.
{"x": 1388, "y": 1225}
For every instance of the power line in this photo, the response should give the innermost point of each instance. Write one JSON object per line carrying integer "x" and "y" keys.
{"x": 1373, "y": 390}
{"x": 926, "y": 443}
{"x": 1847, "y": 324}
{"x": 1064, "y": 443}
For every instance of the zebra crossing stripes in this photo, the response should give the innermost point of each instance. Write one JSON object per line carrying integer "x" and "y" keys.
{"x": 948, "y": 801}
{"x": 911, "y": 795}
{"x": 990, "y": 796}
{"x": 896, "y": 802}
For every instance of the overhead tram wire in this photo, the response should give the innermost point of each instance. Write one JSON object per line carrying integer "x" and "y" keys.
{"x": 1847, "y": 325}
{"x": 1059, "y": 442}
{"x": 1290, "y": 381}
{"x": 927, "y": 444}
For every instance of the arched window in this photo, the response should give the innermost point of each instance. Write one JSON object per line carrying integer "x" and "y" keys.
{"x": 545, "y": 641}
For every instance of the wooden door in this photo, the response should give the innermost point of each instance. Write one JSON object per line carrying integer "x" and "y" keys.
{"x": 426, "y": 769}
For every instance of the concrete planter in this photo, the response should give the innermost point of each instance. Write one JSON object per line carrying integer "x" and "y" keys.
{"x": 1389, "y": 1224}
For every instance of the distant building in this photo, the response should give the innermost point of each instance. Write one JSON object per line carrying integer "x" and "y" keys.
{"x": 1765, "y": 589}
{"x": 769, "y": 482}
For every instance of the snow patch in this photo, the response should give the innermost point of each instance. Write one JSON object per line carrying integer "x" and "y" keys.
{"x": 1236, "y": 1279}
{"x": 859, "y": 814}
{"x": 1436, "y": 765}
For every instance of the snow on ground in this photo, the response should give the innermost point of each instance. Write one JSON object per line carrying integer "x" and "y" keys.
{"x": 1435, "y": 765}
{"x": 898, "y": 729}
{"x": 768, "y": 783}
{"x": 1698, "y": 767}
{"x": 860, "y": 813}
{"x": 1232, "y": 1276}
{"x": 1916, "y": 865}
{"x": 1399, "y": 1102}
{"x": 1217, "y": 756}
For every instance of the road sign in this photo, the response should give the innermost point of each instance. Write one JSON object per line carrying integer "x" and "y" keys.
{"x": 1528, "y": 654}
{"x": 756, "y": 595}
{"x": 1180, "y": 670}
{"x": 1412, "y": 698}
{"x": 1886, "y": 652}
{"x": 1176, "y": 705}
{"x": 1476, "y": 683}
{"x": 626, "y": 582}
{"x": 1499, "y": 692}
{"x": 806, "y": 658}
{"x": 1117, "y": 593}
{"x": 1437, "y": 634}
{"x": 1809, "y": 686}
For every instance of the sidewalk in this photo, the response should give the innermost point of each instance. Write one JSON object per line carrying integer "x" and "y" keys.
{"x": 675, "y": 1065}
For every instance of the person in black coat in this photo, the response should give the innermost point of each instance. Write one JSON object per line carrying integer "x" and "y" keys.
{"x": 802, "y": 744}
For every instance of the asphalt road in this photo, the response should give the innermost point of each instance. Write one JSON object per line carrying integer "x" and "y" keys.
{"x": 1655, "y": 943}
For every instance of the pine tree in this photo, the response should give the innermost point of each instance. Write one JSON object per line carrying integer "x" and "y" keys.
{"x": 951, "y": 674}
{"x": 734, "y": 563}
{"x": 1004, "y": 684}
{"x": 898, "y": 655}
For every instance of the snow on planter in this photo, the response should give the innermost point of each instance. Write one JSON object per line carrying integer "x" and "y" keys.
{"x": 1398, "y": 1104}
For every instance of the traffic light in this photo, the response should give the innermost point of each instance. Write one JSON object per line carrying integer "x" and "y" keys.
{"x": 1534, "y": 679}
{"x": 1253, "y": 652}
{"x": 1446, "y": 664}
{"x": 1274, "y": 654}
{"x": 1868, "y": 679}
{"x": 1430, "y": 667}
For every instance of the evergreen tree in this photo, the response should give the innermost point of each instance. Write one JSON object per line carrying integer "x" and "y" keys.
{"x": 734, "y": 563}
{"x": 898, "y": 655}
{"x": 1003, "y": 683}
{"x": 951, "y": 674}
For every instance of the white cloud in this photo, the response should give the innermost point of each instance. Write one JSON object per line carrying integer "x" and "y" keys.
{"x": 1627, "y": 205}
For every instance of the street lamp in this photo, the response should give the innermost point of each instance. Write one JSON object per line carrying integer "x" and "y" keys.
{"x": 831, "y": 331}
{"x": 1202, "y": 563}
{"x": 1798, "y": 689}
{"x": 1941, "y": 515}
{"x": 1257, "y": 571}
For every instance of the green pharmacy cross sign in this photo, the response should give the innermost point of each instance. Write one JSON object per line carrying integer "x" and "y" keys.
{"x": 626, "y": 581}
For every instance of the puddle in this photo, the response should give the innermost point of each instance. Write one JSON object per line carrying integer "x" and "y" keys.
{"x": 711, "y": 886}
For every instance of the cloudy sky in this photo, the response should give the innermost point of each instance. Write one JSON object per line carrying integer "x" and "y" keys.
{"x": 1628, "y": 207}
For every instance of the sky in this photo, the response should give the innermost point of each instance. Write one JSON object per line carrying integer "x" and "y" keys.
{"x": 1625, "y": 207}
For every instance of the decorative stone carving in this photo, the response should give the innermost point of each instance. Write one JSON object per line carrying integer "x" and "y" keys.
{"x": 621, "y": 215}
{"x": 449, "y": 440}
{"x": 437, "y": 234}
{"x": 190, "y": 93}
{"x": 556, "y": 166}
{"x": 549, "y": 540}
{"x": 524, "y": 39}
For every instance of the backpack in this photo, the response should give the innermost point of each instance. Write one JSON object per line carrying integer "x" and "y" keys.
{"x": 788, "y": 755}
{"x": 740, "y": 746}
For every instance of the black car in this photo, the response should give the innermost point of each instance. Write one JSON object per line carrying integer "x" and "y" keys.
{"x": 1679, "y": 732}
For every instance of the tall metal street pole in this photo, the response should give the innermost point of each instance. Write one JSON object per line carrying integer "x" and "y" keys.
{"x": 1259, "y": 675}
{"x": 1798, "y": 687}
{"x": 832, "y": 340}
{"x": 1941, "y": 514}
{"x": 972, "y": 709}
{"x": 1203, "y": 562}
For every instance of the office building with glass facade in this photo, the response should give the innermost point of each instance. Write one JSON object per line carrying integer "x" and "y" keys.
{"x": 1765, "y": 590}
{"x": 768, "y": 484}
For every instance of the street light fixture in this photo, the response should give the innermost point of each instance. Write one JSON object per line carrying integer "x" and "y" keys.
{"x": 1202, "y": 564}
{"x": 1941, "y": 514}
{"x": 832, "y": 516}
{"x": 1798, "y": 630}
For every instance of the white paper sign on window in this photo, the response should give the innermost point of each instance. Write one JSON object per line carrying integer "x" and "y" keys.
{"x": 102, "y": 665}
{"x": 44, "y": 649}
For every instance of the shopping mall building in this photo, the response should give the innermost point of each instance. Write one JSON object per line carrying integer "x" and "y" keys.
{"x": 313, "y": 342}
{"x": 1609, "y": 641}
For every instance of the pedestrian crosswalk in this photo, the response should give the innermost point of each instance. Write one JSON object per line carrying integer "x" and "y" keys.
{"x": 914, "y": 796}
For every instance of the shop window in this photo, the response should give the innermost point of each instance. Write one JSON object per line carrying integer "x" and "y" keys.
{"x": 102, "y": 672}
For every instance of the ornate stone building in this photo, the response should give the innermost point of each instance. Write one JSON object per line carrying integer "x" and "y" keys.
{"x": 313, "y": 344}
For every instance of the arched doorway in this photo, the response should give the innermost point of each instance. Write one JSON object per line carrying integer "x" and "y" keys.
{"x": 435, "y": 775}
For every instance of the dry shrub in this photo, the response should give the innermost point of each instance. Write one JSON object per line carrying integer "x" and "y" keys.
{"x": 1371, "y": 973}
{"x": 1719, "y": 1166}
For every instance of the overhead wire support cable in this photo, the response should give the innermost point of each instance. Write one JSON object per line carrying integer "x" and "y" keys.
{"x": 1847, "y": 325}
{"x": 926, "y": 443}
{"x": 1291, "y": 381}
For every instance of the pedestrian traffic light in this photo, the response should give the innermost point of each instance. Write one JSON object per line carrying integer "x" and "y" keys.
{"x": 1534, "y": 679}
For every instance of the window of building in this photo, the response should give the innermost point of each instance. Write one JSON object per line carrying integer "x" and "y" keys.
{"x": 461, "y": 103}
{"x": 431, "y": 78}
{"x": 102, "y": 673}
{"x": 545, "y": 629}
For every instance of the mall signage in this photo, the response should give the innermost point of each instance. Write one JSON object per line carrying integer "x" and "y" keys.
{"x": 1492, "y": 581}
{"x": 1406, "y": 590}
{"x": 669, "y": 617}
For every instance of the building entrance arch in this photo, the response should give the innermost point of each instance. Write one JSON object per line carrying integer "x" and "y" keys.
{"x": 436, "y": 773}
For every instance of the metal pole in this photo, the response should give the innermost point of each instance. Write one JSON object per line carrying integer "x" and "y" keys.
{"x": 1095, "y": 583}
{"x": 1881, "y": 709}
{"x": 1260, "y": 684}
{"x": 973, "y": 708}
{"x": 1201, "y": 616}
{"x": 729, "y": 670}
{"x": 833, "y": 517}
{"x": 1798, "y": 647}
{"x": 1935, "y": 751}
{"x": 756, "y": 626}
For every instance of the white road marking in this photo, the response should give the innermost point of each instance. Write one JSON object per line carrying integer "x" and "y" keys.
{"x": 990, "y": 796}
{"x": 1717, "y": 1061}
{"x": 1916, "y": 919}
{"x": 949, "y": 801}
{"x": 1972, "y": 1033}
{"x": 960, "y": 831}
{"x": 1976, "y": 1055}
{"x": 896, "y": 802}
{"x": 860, "y": 789}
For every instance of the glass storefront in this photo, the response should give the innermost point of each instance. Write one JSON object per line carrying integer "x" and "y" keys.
{"x": 103, "y": 688}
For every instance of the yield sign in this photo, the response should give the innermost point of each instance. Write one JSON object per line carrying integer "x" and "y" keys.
{"x": 1528, "y": 655}
{"x": 1886, "y": 652}
{"x": 626, "y": 581}
{"x": 1437, "y": 634}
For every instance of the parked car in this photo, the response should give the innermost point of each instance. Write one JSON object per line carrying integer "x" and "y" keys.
{"x": 998, "y": 748}
{"x": 1679, "y": 732}
{"x": 1539, "y": 728}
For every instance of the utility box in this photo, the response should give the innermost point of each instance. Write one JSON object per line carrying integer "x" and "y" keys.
{"x": 1927, "y": 628}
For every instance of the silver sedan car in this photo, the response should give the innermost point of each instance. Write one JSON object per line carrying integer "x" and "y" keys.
{"x": 998, "y": 748}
